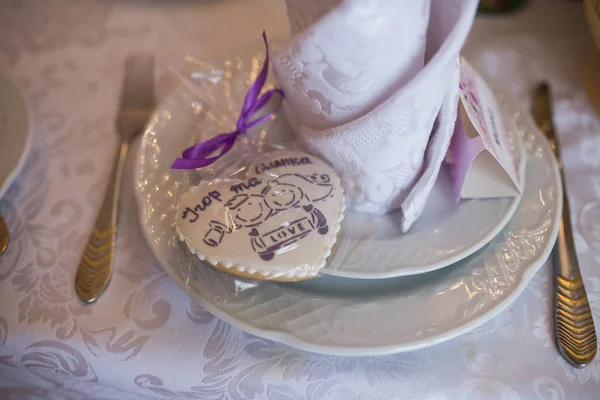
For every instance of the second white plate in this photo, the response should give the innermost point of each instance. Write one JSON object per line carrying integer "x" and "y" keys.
{"x": 340, "y": 316}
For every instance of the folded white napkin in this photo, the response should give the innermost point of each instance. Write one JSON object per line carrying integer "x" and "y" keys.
{"x": 371, "y": 86}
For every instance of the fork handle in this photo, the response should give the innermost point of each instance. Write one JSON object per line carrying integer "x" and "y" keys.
{"x": 575, "y": 332}
{"x": 96, "y": 265}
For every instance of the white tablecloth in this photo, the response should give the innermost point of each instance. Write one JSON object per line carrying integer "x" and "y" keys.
{"x": 144, "y": 339}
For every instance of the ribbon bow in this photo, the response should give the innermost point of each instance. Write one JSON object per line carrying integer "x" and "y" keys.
{"x": 197, "y": 156}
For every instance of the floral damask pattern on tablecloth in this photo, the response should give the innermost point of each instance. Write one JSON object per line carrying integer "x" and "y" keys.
{"x": 144, "y": 339}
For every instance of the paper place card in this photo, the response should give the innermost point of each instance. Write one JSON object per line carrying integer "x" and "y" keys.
{"x": 482, "y": 162}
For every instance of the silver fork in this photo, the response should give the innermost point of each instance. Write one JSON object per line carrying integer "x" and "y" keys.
{"x": 137, "y": 103}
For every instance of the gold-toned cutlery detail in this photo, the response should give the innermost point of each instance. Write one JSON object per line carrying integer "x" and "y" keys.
{"x": 4, "y": 236}
{"x": 137, "y": 103}
{"x": 575, "y": 332}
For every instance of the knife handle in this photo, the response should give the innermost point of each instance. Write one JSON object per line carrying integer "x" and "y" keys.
{"x": 4, "y": 236}
{"x": 575, "y": 332}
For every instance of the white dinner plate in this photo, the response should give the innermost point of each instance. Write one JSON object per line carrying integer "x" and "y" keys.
{"x": 334, "y": 315}
{"x": 369, "y": 246}
{"x": 14, "y": 133}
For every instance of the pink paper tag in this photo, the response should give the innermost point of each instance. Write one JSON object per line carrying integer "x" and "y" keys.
{"x": 482, "y": 163}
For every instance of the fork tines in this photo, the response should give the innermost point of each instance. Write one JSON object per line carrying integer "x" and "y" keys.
{"x": 137, "y": 86}
{"x": 137, "y": 98}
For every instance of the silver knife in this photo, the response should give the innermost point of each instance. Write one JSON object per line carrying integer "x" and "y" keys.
{"x": 575, "y": 333}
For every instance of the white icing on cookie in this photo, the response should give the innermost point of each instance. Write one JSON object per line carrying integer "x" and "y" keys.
{"x": 280, "y": 222}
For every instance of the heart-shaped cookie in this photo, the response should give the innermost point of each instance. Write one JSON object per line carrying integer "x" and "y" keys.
{"x": 280, "y": 223}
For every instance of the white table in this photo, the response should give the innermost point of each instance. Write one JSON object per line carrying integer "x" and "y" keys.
{"x": 144, "y": 338}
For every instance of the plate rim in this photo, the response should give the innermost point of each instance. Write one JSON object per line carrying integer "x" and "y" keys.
{"x": 289, "y": 339}
{"x": 22, "y": 102}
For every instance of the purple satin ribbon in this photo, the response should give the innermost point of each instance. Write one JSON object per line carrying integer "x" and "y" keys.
{"x": 197, "y": 156}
